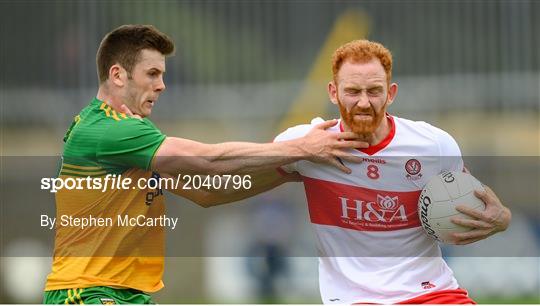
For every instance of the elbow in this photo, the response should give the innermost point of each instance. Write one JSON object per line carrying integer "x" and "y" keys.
{"x": 203, "y": 204}
{"x": 207, "y": 201}
{"x": 200, "y": 201}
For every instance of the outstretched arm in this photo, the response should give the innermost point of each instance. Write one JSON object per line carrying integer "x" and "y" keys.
{"x": 260, "y": 182}
{"x": 184, "y": 156}
{"x": 177, "y": 155}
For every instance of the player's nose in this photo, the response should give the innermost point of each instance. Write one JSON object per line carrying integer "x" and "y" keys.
{"x": 363, "y": 100}
{"x": 160, "y": 85}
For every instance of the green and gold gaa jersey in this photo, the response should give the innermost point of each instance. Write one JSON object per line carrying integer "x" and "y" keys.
{"x": 103, "y": 142}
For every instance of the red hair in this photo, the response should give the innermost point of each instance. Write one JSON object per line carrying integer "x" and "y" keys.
{"x": 361, "y": 51}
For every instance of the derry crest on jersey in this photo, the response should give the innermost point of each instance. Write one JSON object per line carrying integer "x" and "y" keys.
{"x": 413, "y": 168}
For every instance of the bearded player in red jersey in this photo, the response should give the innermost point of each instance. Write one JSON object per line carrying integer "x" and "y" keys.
{"x": 372, "y": 247}
{"x": 371, "y": 244}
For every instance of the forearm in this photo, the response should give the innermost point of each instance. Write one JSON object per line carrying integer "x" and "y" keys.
{"x": 261, "y": 181}
{"x": 177, "y": 155}
{"x": 184, "y": 156}
{"x": 252, "y": 157}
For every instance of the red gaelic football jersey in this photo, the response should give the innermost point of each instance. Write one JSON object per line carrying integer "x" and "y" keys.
{"x": 371, "y": 244}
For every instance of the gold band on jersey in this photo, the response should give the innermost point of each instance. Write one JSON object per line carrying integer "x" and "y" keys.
{"x": 82, "y": 171}
{"x": 83, "y": 168}
{"x": 109, "y": 112}
{"x": 83, "y": 174}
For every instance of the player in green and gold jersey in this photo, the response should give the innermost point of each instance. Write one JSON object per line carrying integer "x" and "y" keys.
{"x": 112, "y": 136}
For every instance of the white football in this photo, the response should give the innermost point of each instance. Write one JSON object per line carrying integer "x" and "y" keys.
{"x": 439, "y": 198}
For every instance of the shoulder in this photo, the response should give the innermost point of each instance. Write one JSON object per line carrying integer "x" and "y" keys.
{"x": 298, "y": 131}
{"x": 446, "y": 144}
{"x": 130, "y": 133}
{"x": 421, "y": 129}
{"x": 131, "y": 125}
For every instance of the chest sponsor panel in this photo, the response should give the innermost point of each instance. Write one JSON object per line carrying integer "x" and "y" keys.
{"x": 360, "y": 208}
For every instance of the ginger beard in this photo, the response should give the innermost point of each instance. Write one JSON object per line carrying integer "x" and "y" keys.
{"x": 364, "y": 125}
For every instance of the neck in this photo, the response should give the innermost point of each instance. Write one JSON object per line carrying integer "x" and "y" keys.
{"x": 372, "y": 138}
{"x": 106, "y": 96}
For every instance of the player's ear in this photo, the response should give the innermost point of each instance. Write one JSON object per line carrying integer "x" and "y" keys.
{"x": 332, "y": 92}
{"x": 392, "y": 92}
{"x": 117, "y": 75}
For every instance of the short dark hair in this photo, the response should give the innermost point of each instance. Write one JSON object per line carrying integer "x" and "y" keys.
{"x": 124, "y": 44}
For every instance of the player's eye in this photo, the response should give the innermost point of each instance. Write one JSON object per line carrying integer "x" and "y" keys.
{"x": 375, "y": 91}
{"x": 352, "y": 91}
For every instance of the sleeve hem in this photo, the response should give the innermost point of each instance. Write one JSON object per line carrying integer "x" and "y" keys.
{"x": 151, "y": 161}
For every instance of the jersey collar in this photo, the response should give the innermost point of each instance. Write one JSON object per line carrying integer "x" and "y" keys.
{"x": 381, "y": 145}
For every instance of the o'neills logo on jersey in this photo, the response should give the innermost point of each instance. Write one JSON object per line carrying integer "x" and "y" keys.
{"x": 374, "y": 160}
{"x": 385, "y": 211}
